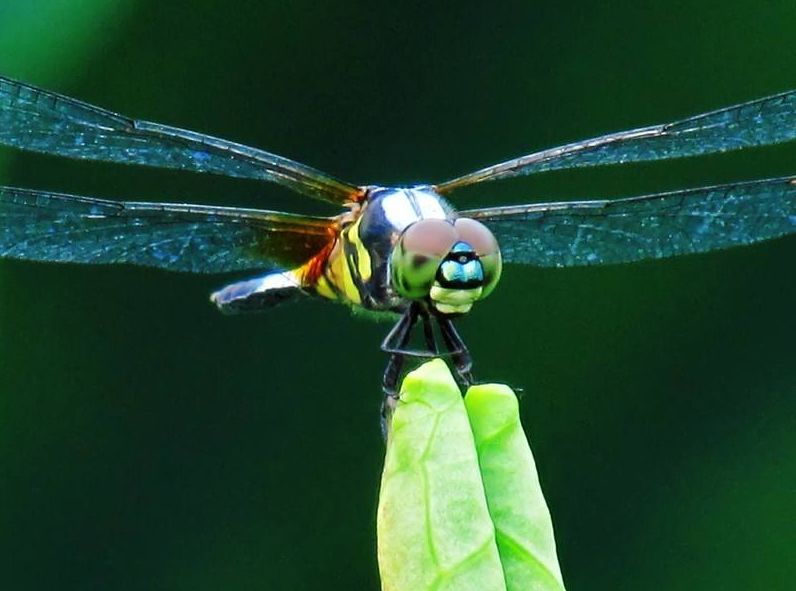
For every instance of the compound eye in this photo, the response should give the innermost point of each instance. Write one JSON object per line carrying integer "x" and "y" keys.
{"x": 417, "y": 255}
{"x": 431, "y": 238}
{"x": 478, "y": 236}
{"x": 486, "y": 247}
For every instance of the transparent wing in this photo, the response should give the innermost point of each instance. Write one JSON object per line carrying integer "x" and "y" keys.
{"x": 761, "y": 122}
{"x": 654, "y": 226}
{"x": 42, "y": 121}
{"x": 200, "y": 239}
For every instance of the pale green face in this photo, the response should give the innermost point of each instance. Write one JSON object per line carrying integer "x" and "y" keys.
{"x": 452, "y": 263}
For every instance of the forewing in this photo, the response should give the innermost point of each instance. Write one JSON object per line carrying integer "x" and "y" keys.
{"x": 43, "y": 226}
{"x": 42, "y": 121}
{"x": 761, "y": 122}
{"x": 651, "y": 227}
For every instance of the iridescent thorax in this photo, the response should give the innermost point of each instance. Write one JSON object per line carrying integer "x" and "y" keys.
{"x": 366, "y": 244}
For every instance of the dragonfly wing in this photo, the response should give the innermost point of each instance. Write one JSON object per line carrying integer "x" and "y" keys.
{"x": 42, "y": 121}
{"x": 41, "y": 226}
{"x": 650, "y": 227}
{"x": 761, "y": 122}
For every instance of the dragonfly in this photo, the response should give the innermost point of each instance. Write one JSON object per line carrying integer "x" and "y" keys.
{"x": 404, "y": 251}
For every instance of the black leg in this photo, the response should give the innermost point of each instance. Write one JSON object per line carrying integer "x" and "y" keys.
{"x": 396, "y": 341}
{"x": 394, "y": 344}
{"x": 460, "y": 354}
{"x": 428, "y": 333}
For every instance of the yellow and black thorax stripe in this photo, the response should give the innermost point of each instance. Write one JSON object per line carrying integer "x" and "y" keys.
{"x": 356, "y": 270}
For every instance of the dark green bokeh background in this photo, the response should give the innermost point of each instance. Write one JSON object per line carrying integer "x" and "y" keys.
{"x": 147, "y": 442}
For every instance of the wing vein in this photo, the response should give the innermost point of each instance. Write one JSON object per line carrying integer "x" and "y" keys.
{"x": 648, "y": 227}
{"x": 761, "y": 122}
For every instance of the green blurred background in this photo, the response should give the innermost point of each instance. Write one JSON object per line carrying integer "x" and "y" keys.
{"x": 147, "y": 442}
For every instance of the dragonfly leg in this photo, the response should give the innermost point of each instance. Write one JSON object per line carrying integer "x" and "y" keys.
{"x": 460, "y": 354}
{"x": 428, "y": 334}
{"x": 394, "y": 344}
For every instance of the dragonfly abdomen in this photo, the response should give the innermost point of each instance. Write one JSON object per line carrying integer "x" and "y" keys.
{"x": 260, "y": 293}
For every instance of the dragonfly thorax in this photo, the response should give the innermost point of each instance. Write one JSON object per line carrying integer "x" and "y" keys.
{"x": 407, "y": 245}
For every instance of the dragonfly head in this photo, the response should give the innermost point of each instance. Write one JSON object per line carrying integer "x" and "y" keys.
{"x": 450, "y": 264}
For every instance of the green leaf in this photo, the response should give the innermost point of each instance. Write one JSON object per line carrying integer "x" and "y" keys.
{"x": 522, "y": 521}
{"x": 460, "y": 505}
